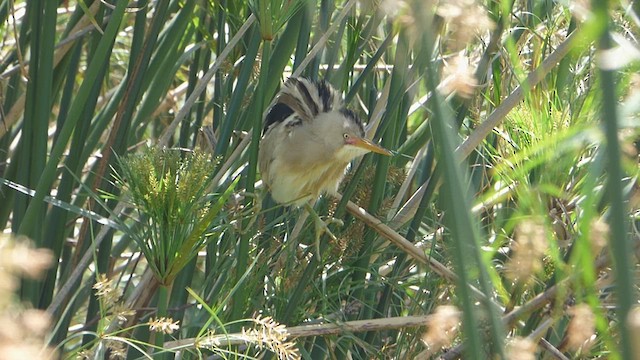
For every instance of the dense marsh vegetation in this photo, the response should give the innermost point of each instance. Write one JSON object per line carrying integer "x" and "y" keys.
{"x": 506, "y": 225}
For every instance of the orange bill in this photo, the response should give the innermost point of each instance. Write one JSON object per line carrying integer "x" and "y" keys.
{"x": 369, "y": 145}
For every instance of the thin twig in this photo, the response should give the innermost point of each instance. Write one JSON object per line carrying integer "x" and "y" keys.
{"x": 552, "y": 350}
{"x": 407, "y": 246}
{"x": 309, "y": 330}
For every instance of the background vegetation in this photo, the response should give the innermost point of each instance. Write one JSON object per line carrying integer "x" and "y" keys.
{"x": 506, "y": 225}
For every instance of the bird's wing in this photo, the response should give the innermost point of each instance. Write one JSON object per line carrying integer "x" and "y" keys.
{"x": 278, "y": 113}
{"x": 304, "y": 98}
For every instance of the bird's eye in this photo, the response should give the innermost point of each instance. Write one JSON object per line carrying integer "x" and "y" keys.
{"x": 346, "y": 136}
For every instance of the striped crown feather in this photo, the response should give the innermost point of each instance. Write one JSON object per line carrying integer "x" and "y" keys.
{"x": 306, "y": 99}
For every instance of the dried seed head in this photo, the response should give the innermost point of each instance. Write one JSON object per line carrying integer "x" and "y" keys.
{"x": 521, "y": 349}
{"x": 581, "y": 9}
{"x": 8, "y": 284}
{"x": 458, "y": 77}
{"x": 599, "y": 235}
{"x": 394, "y": 8}
{"x": 107, "y": 291}
{"x": 465, "y": 19}
{"x": 20, "y": 259}
{"x": 442, "y": 328}
{"x": 273, "y": 336}
{"x": 122, "y": 312}
{"x": 582, "y": 327}
{"x": 23, "y": 332}
{"x": 163, "y": 325}
{"x": 22, "y": 350}
{"x": 529, "y": 247}
{"x": 36, "y": 322}
{"x": 117, "y": 350}
{"x": 412, "y": 15}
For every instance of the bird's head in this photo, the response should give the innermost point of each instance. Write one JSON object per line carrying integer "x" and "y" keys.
{"x": 343, "y": 132}
{"x": 318, "y": 109}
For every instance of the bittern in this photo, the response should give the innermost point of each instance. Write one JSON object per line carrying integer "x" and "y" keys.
{"x": 309, "y": 139}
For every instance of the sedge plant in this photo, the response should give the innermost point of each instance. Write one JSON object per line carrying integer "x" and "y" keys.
{"x": 168, "y": 188}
